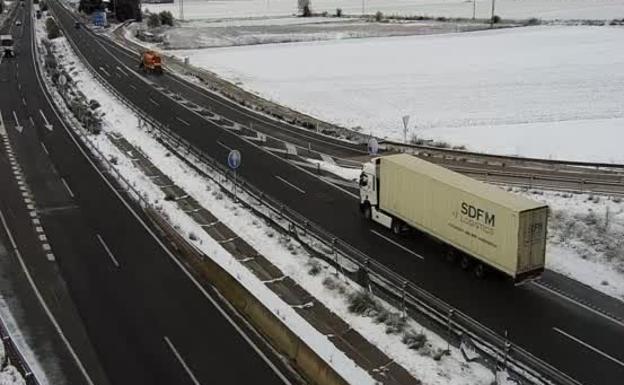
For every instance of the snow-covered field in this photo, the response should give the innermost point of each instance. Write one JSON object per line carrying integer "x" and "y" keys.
{"x": 284, "y": 252}
{"x": 553, "y": 92}
{"x": 585, "y": 239}
{"x": 545, "y": 9}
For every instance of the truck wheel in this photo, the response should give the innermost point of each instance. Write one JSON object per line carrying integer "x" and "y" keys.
{"x": 479, "y": 271}
{"x": 396, "y": 226}
{"x": 465, "y": 262}
{"x": 451, "y": 255}
{"x": 367, "y": 212}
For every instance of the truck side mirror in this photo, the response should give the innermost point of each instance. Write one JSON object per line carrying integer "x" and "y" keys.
{"x": 363, "y": 180}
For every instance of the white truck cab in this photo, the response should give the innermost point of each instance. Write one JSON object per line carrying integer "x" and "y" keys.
{"x": 369, "y": 195}
{"x": 6, "y": 45}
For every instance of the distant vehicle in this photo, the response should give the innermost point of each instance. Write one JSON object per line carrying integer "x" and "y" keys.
{"x": 77, "y": 24}
{"x": 18, "y": 22}
{"x": 6, "y": 44}
{"x": 151, "y": 62}
{"x": 38, "y": 14}
{"x": 483, "y": 226}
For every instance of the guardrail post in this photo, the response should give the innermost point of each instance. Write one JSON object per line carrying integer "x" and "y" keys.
{"x": 333, "y": 246}
{"x": 403, "y": 307}
{"x": 449, "y": 325}
{"x": 507, "y": 348}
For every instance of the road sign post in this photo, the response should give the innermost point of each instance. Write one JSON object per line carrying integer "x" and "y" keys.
{"x": 406, "y": 119}
{"x": 373, "y": 147}
{"x": 234, "y": 161}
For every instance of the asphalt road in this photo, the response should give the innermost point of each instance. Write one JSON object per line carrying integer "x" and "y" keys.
{"x": 583, "y": 344}
{"x": 148, "y": 321}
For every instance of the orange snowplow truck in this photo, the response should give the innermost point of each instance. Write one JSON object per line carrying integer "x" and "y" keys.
{"x": 151, "y": 62}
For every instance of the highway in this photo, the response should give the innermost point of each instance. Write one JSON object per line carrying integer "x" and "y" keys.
{"x": 148, "y": 321}
{"x": 584, "y": 344}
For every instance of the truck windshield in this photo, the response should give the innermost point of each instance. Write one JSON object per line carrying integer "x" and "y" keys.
{"x": 7, "y": 42}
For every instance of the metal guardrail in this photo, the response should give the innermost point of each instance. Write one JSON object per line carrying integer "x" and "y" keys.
{"x": 381, "y": 279}
{"x": 15, "y": 357}
{"x": 387, "y": 144}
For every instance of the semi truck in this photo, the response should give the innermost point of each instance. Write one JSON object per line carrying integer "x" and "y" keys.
{"x": 6, "y": 45}
{"x": 482, "y": 226}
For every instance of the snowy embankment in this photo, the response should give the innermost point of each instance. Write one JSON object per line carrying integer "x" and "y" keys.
{"x": 552, "y": 92}
{"x": 511, "y": 9}
{"x": 423, "y": 357}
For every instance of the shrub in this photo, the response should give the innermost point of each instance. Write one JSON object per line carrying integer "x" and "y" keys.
{"x": 378, "y": 16}
{"x": 414, "y": 340}
{"x": 307, "y": 12}
{"x": 166, "y": 18}
{"x": 52, "y": 28}
{"x": 43, "y": 6}
{"x": 153, "y": 20}
{"x": 361, "y": 302}
{"x": 496, "y": 19}
{"x": 533, "y": 21}
{"x": 338, "y": 12}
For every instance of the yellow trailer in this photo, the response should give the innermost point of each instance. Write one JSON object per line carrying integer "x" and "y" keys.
{"x": 484, "y": 225}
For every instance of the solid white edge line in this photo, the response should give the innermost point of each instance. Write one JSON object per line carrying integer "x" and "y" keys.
{"x": 588, "y": 346}
{"x": 181, "y": 360}
{"x": 153, "y": 102}
{"x": 71, "y": 193}
{"x": 397, "y": 244}
{"x": 290, "y": 184}
{"x": 154, "y": 236}
{"x": 45, "y": 307}
{"x": 541, "y": 286}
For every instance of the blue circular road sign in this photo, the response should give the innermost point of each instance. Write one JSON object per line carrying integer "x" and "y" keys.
{"x": 373, "y": 146}
{"x": 234, "y": 159}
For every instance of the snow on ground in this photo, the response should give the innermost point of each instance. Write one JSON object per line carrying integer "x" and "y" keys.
{"x": 553, "y": 92}
{"x": 8, "y": 373}
{"x": 287, "y": 254}
{"x": 585, "y": 238}
{"x": 517, "y": 9}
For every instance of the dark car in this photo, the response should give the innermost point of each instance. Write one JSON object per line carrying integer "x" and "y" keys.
{"x": 77, "y": 25}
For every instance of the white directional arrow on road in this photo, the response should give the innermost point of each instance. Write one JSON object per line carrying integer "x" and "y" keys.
{"x": 2, "y": 129}
{"x": 17, "y": 124}
{"x": 47, "y": 124}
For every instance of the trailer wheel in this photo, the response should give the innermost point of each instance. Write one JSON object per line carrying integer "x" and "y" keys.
{"x": 451, "y": 255}
{"x": 396, "y": 226}
{"x": 465, "y": 262}
{"x": 480, "y": 271}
